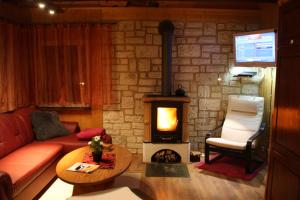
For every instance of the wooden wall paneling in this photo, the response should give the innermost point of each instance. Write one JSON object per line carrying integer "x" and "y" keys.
{"x": 290, "y": 28}
{"x": 269, "y": 16}
{"x": 92, "y": 119}
{"x": 282, "y": 2}
{"x": 284, "y": 168}
{"x": 284, "y": 191}
{"x": 267, "y": 90}
{"x": 288, "y": 113}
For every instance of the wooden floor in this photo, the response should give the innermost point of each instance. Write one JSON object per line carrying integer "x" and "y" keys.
{"x": 201, "y": 185}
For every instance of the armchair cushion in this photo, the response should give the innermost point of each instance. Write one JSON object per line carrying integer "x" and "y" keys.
{"x": 241, "y": 121}
{"x": 235, "y": 134}
{"x": 243, "y": 105}
{"x": 220, "y": 142}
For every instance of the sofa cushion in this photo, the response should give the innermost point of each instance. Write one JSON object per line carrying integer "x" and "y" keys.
{"x": 72, "y": 127}
{"x": 11, "y": 135}
{"x": 69, "y": 142}
{"x": 87, "y": 134}
{"x": 46, "y": 125}
{"x": 28, "y": 162}
{"x": 106, "y": 139}
{"x": 25, "y": 122}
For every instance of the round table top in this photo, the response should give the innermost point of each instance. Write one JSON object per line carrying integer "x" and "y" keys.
{"x": 122, "y": 162}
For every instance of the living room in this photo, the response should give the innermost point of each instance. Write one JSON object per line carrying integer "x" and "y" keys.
{"x": 108, "y": 58}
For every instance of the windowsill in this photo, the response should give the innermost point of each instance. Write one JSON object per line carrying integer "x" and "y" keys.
{"x": 61, "y": 109}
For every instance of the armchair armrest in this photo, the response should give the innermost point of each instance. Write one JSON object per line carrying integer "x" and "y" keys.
{"x": 72, "y": 127}
{"x": 6, "y": 189}
{"x": 214, "y": 131}
{"x": 258, "y": 133}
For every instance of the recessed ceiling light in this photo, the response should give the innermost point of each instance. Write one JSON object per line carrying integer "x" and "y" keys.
{"x": 41, "y": 5}
{"x": 51, "y": 12}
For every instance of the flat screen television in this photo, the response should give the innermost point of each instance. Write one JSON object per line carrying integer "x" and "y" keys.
{"x": 257, "y": 48}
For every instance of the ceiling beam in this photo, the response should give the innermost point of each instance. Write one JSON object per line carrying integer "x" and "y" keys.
{"x": 133, "y": 13}
{"x": 234, "y": 4}
{"x": 14, "y": 13}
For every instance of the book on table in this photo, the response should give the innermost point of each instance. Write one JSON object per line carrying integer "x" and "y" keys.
{"x": 83, "y": 167}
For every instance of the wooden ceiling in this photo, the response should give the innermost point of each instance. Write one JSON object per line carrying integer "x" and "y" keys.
{"x": 146, "y": 3}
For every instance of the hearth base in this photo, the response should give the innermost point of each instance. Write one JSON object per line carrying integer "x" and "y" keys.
{"x": 183, "y": 149}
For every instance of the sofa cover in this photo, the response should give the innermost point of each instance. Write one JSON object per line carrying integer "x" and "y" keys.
{"x": 69, "y": 142}
{"x": 27, "y": 165}
{"x": 27, "y": 162}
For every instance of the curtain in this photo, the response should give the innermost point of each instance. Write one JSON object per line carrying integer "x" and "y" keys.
{"x": 55, "y": 65}
{"x": 71, "y": 64}
{"x": 14, "y": 66}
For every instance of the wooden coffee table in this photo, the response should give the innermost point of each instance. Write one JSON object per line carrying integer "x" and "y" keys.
{"x": 99, "y": 179}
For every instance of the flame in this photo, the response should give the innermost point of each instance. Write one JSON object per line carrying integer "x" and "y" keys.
{"x": 166, "y": 119}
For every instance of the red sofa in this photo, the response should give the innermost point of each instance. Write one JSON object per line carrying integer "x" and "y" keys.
{"x": 27, "y": 165}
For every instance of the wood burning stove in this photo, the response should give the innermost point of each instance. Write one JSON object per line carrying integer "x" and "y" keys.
{"x": 165, "y": 115}
{"x": 173, "y": 134}
{"x": 166, "y": 119}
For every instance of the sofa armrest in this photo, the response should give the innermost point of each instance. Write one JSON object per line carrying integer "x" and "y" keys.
{"x": 6, "y": 189}
{"x": 72, "y": 127}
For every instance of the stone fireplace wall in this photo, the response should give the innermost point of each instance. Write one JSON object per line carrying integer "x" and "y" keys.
{"x": 202, "y": 52}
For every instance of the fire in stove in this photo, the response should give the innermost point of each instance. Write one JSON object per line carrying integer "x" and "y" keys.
{"x": 167, "y": 119}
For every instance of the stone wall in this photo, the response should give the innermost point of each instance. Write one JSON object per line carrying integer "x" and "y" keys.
{"x": 202, "y": 53}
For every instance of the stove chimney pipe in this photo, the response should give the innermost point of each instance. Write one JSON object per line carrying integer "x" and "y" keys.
{"x": 166, "y": 29}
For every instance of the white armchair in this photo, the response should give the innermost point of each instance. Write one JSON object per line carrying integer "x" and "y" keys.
{"x": 241, "y": 127}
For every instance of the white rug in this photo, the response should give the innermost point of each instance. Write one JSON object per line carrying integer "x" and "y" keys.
{"x": 60, "y": 190}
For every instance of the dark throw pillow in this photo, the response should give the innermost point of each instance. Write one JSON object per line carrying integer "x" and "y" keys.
{"x": 46, "y": 125}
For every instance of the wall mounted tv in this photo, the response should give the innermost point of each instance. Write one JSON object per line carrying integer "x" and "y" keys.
{"x": 257, "y": 48}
